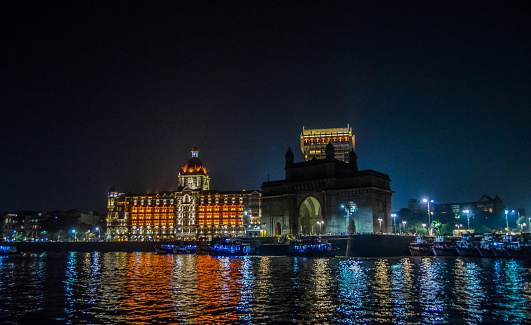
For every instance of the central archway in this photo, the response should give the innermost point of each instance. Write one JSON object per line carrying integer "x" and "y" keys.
{"x": 309, "y": 213}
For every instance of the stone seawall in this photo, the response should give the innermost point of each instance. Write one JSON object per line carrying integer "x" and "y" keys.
{"x": 369, "y": 245}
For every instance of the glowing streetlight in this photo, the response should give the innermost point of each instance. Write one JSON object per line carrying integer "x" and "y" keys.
{"x": 393, "y": 215}
{"x": 424, "y": 226}
{"x": 75, "y": 236}
{"x": 99, "y": 233}
{"x": 320, "y": 223}
{"x": 467, "y": 218}
{"x": 429, "y": 214}
{"x": 404, "y": 223}
{"x": 506, "y": 219}
{"x": 380, "y": 220}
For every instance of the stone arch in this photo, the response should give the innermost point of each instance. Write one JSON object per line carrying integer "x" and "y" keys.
{"x": 310, "y": 212}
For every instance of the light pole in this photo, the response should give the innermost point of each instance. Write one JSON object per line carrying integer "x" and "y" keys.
{"x": 346, "y": 218}
{"x": 424, "y": 226}
{"x": 429, "y": 214}
{"x": 320, "y": 223}
{"x": 467, "y": 218}
{"x": 380, "y": 220}
{"x": 393, "y": 215}
{"x": 99, "y": 233}
{"x": 75, "y": 237}
{"x": 404, "y": 223}
{"x": 507, "y": 220}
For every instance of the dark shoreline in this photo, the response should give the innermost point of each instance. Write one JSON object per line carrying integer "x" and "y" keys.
{"x": 369, "y": 245}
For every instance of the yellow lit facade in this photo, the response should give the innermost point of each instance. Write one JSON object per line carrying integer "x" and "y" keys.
{"x": 314, "y": 141}
{"x": 191, "y": 212}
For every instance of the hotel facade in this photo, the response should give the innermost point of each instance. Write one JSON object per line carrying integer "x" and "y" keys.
{"x": 191, "y": 212}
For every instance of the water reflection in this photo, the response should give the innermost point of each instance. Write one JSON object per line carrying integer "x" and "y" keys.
{"x": 353, "y": 286}
{"x": 402, "y": 284}
{"x": 432, "y": 293}
{"x": 469, "y": 291}
{"x": 145, "y": 288}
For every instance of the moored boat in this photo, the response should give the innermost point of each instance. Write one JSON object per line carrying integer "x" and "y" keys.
{"x": 311, "y": 247}
{"x": 229, "y": 247}
{"x": 164, "y": 249}
{"x": 8, "y": 250}
{"x": 466, "y": 247}
{"x": 500, "y": 248}
{"x": 420, "y": 247}
{"x": 516, "y": 249}
{"x": 185, "y": 248}
{"x": 441, "y": 247}
{"x": 485, "y": 245}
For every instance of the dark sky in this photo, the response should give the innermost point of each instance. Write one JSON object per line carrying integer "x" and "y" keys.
{"x": 96, "y": 93}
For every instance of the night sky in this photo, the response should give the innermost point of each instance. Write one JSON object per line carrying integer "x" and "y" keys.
{"x": 95, "y": 94}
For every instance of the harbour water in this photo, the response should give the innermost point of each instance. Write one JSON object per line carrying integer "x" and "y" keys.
{"x": 146, "y": 288}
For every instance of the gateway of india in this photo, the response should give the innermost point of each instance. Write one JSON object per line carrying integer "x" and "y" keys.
{"x": 326, "y": 193}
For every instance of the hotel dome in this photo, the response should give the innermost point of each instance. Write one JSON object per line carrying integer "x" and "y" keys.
{"x": 194, "y": 173}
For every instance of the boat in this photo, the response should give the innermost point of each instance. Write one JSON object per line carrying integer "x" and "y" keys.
{"x": 189, "y": 248}
{"x": 229, "y": 247}
{"x": 420, "y": 247}
{"x": 485, "y": 245}
{"x": 441, "y": 247}
{"x": 500, "y": 248}
{"x": 164, "y": 249}
{"x": 516, "y": 249}
{"x": 8, "y": 250}
{"x": 311, "y": 247}
{"x": 466, "y": 247}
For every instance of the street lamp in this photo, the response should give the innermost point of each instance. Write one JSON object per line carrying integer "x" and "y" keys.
{"x": 346, "y": 219}
{"x": 393, "y": 215}
{"x": 424, "y": 226}
{"x": 380, "y": 220}
{"x": 404, "y": 223}
{"x": 467, "y": 218}
{"x": 507, "y": 220}
{"x": 429, "y": 214}
{"x": 74, "y": 232}
{"x": 320, "y": 223}
{"x": 99, "y": 233}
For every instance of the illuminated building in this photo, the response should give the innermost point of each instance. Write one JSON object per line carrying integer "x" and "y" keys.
{"x": 230, "y": 213}
{"x": 314, "y": 141}
{"x": 191, "y": 212}
{"x": 328, "y": 196}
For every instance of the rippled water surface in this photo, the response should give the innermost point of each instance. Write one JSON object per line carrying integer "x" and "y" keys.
{"x": 145, "y": 288}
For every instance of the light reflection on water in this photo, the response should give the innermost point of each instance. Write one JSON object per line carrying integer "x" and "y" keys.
{"x": 146, "y": 288}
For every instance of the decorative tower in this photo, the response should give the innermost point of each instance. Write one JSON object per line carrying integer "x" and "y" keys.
{"x": 289, "y": 158}
{"x": 353, "y": 160}
{"x": 194, "y": 174}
